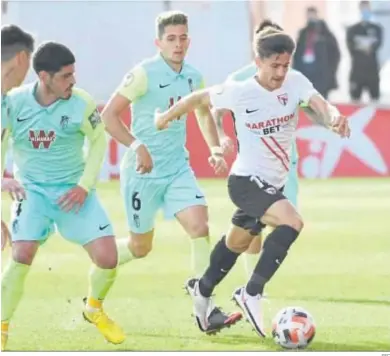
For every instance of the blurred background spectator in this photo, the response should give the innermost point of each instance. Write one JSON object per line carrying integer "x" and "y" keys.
{"x": 364, "y": 40}
{"x": 317, "y": 54}
{"x": 217, "y": 27}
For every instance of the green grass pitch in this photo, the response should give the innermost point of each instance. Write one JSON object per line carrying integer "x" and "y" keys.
{"x": 339, "y": 270}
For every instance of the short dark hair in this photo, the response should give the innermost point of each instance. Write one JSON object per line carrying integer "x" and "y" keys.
{"x": 364, "y": 3}
{"x": 267, "y": 23}
{"x": 170, "y": 18}
{"x": 51, "y": 57}
{"x": 270, "y": 41}
{"x": 13, "y": 41}
{"x": 312, "y": 9}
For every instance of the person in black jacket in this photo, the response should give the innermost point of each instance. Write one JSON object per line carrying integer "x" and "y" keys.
{"x": 317, "y": 55}
{"x": 363, "y": 41}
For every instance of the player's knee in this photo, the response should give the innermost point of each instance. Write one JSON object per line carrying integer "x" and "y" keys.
{"x": 139, "y": 249}
{"x": 107, "y": 261}
{"x": 294, "y": 220}
{"x": 23, "y": 254}
{"x": 238, "y": 244}
{"x": 141, "y": 244}
{"x": 198, "y": 229}
{"x": 105, "y": 258}
{"x": 255, "y": 246}
{"x": 103, "y": 252}
{"x": 297, "y": 223}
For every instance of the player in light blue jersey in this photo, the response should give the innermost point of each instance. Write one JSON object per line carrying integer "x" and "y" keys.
{"x": 49, "y": 122}
{"x": 16, "y": 48}
{"x": 158, "y": 83}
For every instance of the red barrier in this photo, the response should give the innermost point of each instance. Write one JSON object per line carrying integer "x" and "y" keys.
{"x": 365, "y": 154}
{"x": 322, "y": 153}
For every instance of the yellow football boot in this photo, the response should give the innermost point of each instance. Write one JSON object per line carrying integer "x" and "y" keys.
{"x": 111, "y": 331}
{"x": 4, "y": 334}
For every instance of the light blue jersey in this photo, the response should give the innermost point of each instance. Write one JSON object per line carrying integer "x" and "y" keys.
{"x": 4, "y": 111}
{"x": 291, "y": 187}
{"x": 48, "y": 141}
{"x": 48, "y": 151}
{"x": 4, "y": 130}
{"x": 171, "y": 185}
{"x": 150, "y": 85}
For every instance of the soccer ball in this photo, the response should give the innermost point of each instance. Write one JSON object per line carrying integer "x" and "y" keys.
{"x": 293, "y": 328}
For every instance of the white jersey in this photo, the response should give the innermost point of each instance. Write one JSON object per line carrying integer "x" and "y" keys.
{"x": 265, "y": 123}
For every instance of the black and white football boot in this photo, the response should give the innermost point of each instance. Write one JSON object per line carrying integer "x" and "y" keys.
{"x": 252, "y": 308}
{"x": 209, "y": 318}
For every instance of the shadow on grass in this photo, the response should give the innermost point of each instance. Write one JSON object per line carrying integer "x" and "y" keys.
{"x": 269, "y": 345}
{"x": 364, "y": 346}
{"x": 338, "y": 300}
{"x": 265, "y": 344}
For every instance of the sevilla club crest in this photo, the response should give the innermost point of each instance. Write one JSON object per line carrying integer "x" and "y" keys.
{"x": 283, "y": 99}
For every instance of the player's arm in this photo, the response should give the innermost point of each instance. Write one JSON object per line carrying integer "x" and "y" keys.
{"x": 4, "y": 147}
{"x": 9, "y": 185}
{"x": 218, "y": 117}
{"x": 311, "y": 114}
{"x": 208, "y": 126}
{"x": 328, "y": 116}
{"x": 210, "y": 134}
{"x": 5, "y": 234}
{"x": 214, "y": 96}
{"x": 320, "y": 110}
{"x": 5, "y": 128}
{"x": 209, "y": 130}
{"x": 93, "y": 129}
{"x": 227, "y": 144}
{"x": 189, "y": 103}
{"x": 133, "y": 86}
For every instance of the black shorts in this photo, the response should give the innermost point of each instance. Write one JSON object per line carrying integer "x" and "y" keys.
{"x": 253, "y": 197}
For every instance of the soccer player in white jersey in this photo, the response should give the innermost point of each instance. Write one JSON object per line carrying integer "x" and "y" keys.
{"x": 265, "y": 113}
{"x": 290, "y": 190}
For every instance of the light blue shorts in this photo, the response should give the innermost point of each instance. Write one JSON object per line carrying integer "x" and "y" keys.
{"x": 35, "y": 218}
{"x": 145, "y": 196}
